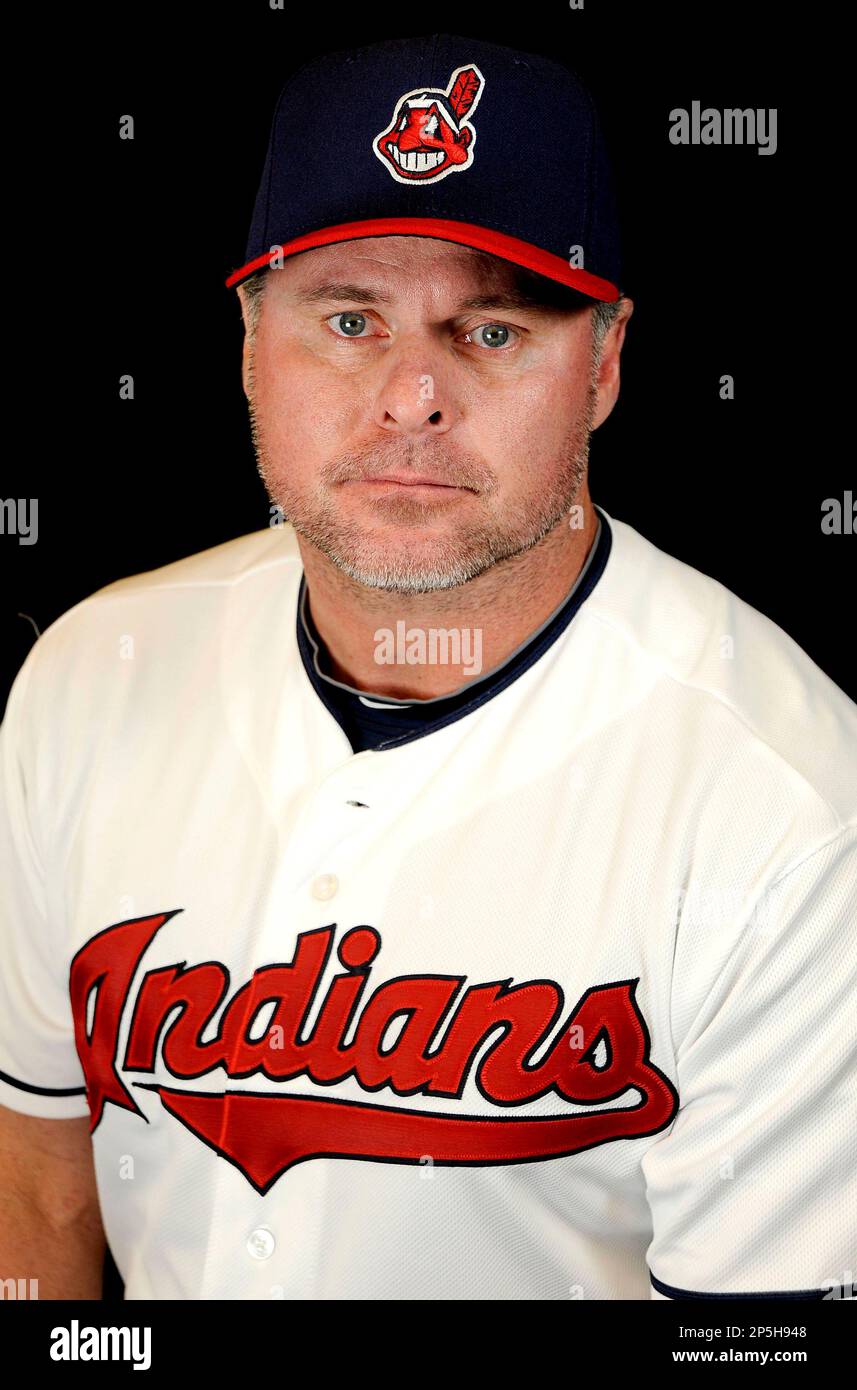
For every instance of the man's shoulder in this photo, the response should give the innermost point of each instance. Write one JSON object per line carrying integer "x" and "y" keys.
{"x": 171, "y": 606}
{"x": 722, "y": 653}
{"x": 227, "y": 563}
{"x": 219, "y": 566}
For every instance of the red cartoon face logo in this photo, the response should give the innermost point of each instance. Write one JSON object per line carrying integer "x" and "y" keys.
{"x": 428, "y": 136}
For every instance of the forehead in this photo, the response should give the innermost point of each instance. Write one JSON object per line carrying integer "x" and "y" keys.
{"x": 398, "y": 264}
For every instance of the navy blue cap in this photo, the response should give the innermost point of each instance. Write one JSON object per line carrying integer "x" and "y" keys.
{"x": 441, "y": 137}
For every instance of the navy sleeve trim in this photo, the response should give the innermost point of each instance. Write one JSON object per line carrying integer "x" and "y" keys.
{"x": 41, "y": 1090}
{"x": 844, "y": 1291}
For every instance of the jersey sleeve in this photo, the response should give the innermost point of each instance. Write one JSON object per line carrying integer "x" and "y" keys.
{"x": 753, "y": 1191}
{"x": 40, "y": 1072}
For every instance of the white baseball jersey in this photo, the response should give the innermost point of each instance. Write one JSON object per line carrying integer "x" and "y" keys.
{"x": 551, "y": 999}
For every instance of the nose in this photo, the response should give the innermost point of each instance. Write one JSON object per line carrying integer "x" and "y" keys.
{"x": 415, "y": 395}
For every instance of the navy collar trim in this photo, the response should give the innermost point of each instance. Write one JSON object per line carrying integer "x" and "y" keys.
{"x": 344, "y": 701}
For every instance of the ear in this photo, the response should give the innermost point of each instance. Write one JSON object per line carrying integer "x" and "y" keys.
{"x": 245, "y": 353}
{"x": 607, "y": 374}
{"x": 245, "y": 366}
{"x": 242, "y": 300}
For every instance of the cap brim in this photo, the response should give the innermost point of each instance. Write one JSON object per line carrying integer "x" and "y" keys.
{"x": 508, "y": 248}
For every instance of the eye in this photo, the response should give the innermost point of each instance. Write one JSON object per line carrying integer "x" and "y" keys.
{"x": 348, "y": 325}
{"x": 494, "y": 335}
{"x": 430, "y": 127}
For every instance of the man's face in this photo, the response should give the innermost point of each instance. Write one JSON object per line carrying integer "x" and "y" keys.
{"x": 411, "y": 418}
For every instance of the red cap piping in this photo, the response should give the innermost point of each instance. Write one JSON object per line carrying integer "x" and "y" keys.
{"x": 508, "y": 248}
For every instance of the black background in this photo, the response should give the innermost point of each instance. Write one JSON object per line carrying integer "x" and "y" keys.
{"x": 134, "y": 240}
{"x": 125, "y": 246}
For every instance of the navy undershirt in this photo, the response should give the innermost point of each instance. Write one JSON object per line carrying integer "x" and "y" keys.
{"x": 375, "y": 721}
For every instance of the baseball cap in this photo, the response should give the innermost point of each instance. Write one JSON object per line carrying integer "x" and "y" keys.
{"x": 445, "y": 137}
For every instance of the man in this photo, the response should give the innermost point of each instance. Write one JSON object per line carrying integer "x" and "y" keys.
{"x": 445, "y": 893}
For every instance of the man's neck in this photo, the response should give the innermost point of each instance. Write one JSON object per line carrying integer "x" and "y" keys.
{"x": 499, "y": 610}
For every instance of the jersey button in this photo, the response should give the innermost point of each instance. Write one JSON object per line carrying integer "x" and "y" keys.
{"x": 324, "y": 887}
{"x": 261, "y": 1244}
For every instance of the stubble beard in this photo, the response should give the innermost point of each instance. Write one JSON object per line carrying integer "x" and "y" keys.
{"x": 442, "y": 559}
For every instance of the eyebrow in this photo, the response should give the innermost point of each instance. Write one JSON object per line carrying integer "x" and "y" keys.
{"x": 348, "y": 293}
{"x": 342, "y": 291}
{"x": 506, "y": 299}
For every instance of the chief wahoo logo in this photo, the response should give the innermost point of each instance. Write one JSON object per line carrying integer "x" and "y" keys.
{"x": 428, "y": 136}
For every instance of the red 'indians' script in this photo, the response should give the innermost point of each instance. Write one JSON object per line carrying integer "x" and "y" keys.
{"x": 599, "y": 1052}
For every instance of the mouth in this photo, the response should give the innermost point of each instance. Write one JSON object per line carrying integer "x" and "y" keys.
{"x": 411, "y": 480}
{"x": 416, "y": 161}
{"x": 420, "y": 489}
